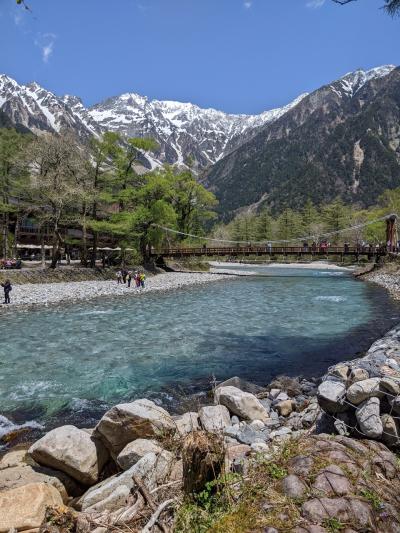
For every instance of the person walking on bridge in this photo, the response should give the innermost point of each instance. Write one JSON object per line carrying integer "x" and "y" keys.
{"x": 7, "y": 289}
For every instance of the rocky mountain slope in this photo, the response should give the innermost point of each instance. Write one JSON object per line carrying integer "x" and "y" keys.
{"x": 343, "y": 139}
{"x": 183, "y": 130}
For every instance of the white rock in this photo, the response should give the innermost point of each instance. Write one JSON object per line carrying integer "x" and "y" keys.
{"x": 135, "y": 450}
{"x": 214, "y": 417}
{"x": 257, "y": 424}
{"x": 126, "y": 422}
{"x": 331, "y": 393}
{"x": 24, "y": 508}
{"x": 186, "y": 423}
{"x": 362, "y": 390}
{"x": 242, "y": 404}
{"x": 259, "y": 447}
{"x": 368, "y": 418}
{"x": 72, "y": 451}
{"x": 112, "y": 493}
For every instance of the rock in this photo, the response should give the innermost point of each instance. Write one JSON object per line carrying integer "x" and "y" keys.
{"x": 186, "y": 423}
{"x": 282, "y": 432}
{"x": 234, "y": 420}
{"x": 341, "y": 371}
{"x": 14, "y": 458}
{"x": 301, "y": 465}
{"x": 293, "y": 486}
{"x": 259, "y": 447}
{"x": 214, "y": 417}
{"x": 282, "y": 396}
{"x": 331, "y": 394}
{"x": 112, "y": 493}
{"x": 332, "y": 481}
{"x": 273, "y": 393}
{"x": 241, "y": 384}
{"x": 285, "y": 407}
{"x": 134, "y": 451}
{"x": 358, "y": 374}
{"x": 243, "y": 404}
{"x": 362, "y": 390}
{"x": 368, "y": 418}
{"x": 390, "y": 385}
{"x": 248, "y": 435}
{"x": 319, "y": 509}
{"x": 24, "y": 508}
{"x": 18, "y": 476}
{"x": 395, "y": 404}
{"x": 391, "y": 432}
{"x": 258, "y": 425}
{"x": 126, "y": 422}
{"x": 310, "y": 414}
{"x": 72, "y": 451}
{"x": 236, "y": 452}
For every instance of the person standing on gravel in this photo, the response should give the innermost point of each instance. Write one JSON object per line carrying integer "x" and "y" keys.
{"x": 119, "y": 277}
{"x": 7, "y": 289}
{"x": 129, "y": 278}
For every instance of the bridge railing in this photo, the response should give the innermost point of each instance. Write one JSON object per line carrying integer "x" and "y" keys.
{"x": 266, "y": 250}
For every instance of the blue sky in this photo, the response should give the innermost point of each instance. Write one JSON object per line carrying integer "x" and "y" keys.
{"x": 240, "y": 56}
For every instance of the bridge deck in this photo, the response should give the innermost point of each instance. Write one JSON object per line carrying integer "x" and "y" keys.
{"x": 265, "y": 250}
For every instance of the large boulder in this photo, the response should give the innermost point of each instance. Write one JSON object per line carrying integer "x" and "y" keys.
{"x": 362, "y": 390}
{"x": 135, "y": 450}
{"x": 112, "y": 494}
{"x": 187, "y": 423}
{"x": 18, "y": 476}
{"x": 72, "y": 451}
{"x": 126, "y": 422}
{"x": 24, "y": 508}
{"x": 331, "y": 394}
{"x": 391, "y": 430}
{"x": 243, "y": 404}
{"x": 214, "y": 418}
{"x": 368, "y": 418}
{"x": 241, "y": 384}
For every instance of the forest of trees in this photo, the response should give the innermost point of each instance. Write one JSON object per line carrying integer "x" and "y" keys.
{"x": 97, "y": 189}
{"x": 311, "y": 222}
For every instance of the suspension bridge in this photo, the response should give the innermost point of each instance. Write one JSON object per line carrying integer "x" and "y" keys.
{"x": 319, "y": 246}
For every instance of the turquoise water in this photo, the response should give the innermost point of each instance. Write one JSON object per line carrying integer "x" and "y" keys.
{"x": 73, "y": 361}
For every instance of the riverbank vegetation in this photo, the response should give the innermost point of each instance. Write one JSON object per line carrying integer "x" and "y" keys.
{"x": 98, "y": 196}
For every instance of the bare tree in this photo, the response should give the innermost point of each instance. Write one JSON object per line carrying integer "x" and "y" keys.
{"x": 57, "y": 166}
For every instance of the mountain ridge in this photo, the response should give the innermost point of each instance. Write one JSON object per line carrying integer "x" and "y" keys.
{"x": 183, "y": 130}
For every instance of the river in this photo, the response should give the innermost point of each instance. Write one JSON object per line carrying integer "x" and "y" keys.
{"x": 69, "y": 363}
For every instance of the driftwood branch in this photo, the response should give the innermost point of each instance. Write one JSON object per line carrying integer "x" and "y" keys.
{"x": 150, "y": 502}
{"x": 156, "y": 515}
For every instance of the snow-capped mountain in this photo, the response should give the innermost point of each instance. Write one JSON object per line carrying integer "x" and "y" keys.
{"x": 40, "y": 110}
{"x": 183, "y": 130}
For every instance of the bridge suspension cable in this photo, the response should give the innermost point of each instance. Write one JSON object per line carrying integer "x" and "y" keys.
{"x": 308, "y": 237}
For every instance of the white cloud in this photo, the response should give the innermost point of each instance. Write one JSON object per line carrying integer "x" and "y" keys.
{"x": 247, "y": 4}
{"x": 18, "y": 18}
{"x": 315, "y": 4}
{"x": 46, "y": 43}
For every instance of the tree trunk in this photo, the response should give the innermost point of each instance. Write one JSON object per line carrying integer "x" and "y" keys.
{"x": 94, "y": 251}
{"x": 16, "y": 236}
{"x": 84, "y": 239}
{"x": 5, "y": 235}
{"x": 42, "y": 250}
{"x": 203, "y": 457}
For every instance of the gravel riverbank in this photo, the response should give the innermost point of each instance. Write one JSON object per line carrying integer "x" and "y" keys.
{"x": 387, "y": 276}
{"x": 52, "y": 293}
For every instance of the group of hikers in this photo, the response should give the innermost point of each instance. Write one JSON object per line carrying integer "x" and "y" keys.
{"x": 127, "y": 276}
{"x": 6, "y": 264}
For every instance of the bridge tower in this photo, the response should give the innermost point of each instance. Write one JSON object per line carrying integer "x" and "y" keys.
{"x": 391, "y": 232}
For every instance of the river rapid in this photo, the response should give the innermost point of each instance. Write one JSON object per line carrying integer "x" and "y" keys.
{"x": 69, "y": 363}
